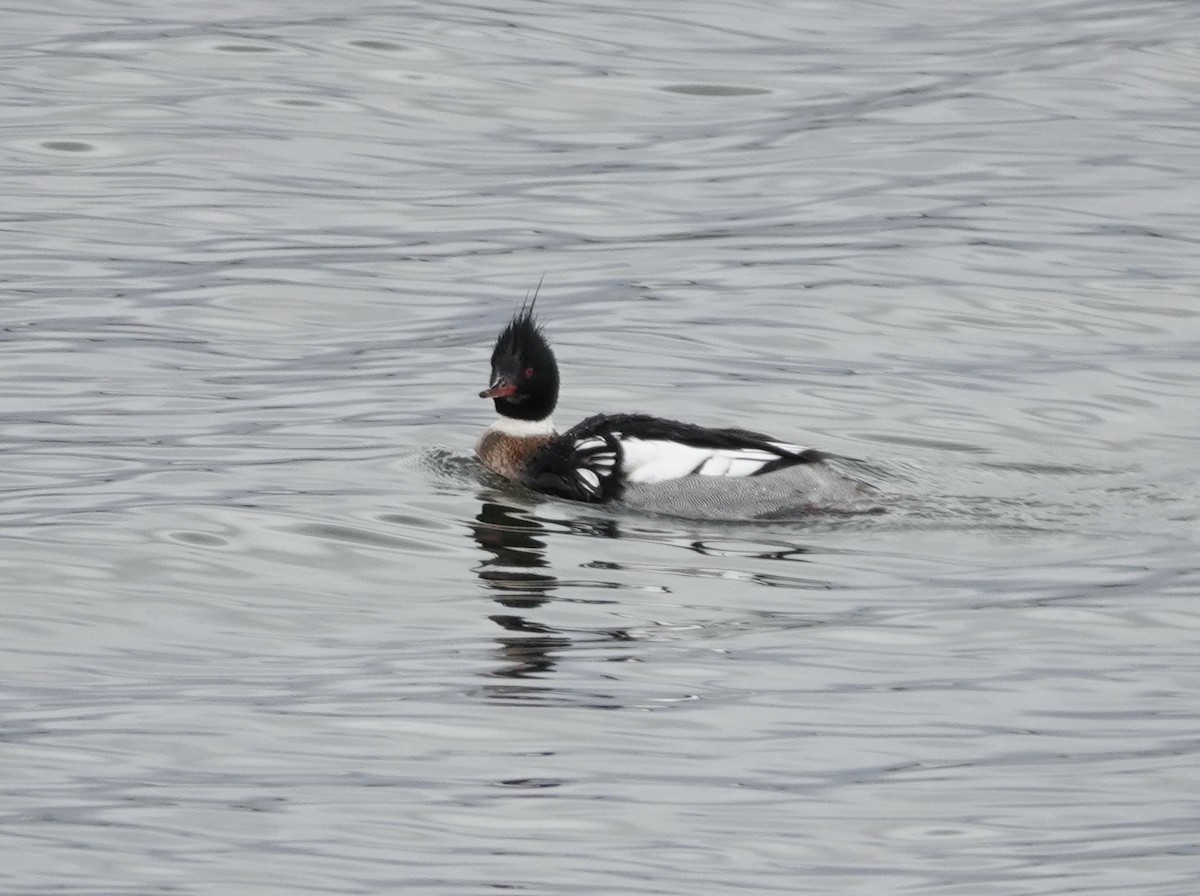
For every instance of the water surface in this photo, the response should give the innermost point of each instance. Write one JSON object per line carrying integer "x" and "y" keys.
{"x": 267, "y": 628}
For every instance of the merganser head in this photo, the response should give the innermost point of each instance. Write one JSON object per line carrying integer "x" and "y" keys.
{"x": 524, "y": 382}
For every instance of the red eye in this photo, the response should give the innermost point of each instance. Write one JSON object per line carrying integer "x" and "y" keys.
{"x": 528, "y": 372}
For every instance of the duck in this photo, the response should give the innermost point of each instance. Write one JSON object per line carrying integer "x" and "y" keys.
{"x": 640, "y": 459}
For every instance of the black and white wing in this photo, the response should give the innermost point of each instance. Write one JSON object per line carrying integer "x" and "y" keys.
{"x": 595, "y": 460}
{"x": 581, "y": 468}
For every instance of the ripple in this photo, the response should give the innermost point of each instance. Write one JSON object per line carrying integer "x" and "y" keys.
{"x": 67, "y": 148}
{"x": 715, "y": 90}
{"x": 303, "y": 103}
{"x": 760, "y": 550}
{"x": 199, "y": 539}
{"x": 942, "y": 832}
{"x": 243, "y": 47}
{"x": 375, "y": 45}
{"x": 247, "y": 50}
{"x": 363, "y": 537}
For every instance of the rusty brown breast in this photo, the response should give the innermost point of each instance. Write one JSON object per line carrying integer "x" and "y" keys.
{"x": 507, "y": 455}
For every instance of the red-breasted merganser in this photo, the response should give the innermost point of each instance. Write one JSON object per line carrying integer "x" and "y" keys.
{"x": 611, "y": 456}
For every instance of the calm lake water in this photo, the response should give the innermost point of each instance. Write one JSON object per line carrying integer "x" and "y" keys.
{"x": 267, "y": 628}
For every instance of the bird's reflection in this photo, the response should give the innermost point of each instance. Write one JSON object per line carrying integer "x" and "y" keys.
{"x": 511, "y": 536}
{"x": 517, "y": 574}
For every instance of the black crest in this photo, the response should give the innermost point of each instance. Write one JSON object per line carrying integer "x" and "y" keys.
{"x": 524, "y": 372}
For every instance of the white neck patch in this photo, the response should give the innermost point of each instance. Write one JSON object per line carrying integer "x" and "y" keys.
{"x": 523, "y": 429}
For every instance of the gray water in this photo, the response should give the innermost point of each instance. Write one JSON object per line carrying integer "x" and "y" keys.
{"x": 267, "y": 628}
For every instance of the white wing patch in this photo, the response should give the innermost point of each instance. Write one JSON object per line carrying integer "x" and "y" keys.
{"x": 788, "y": 448}
{"x": 740, "y": 463}
{"x": 593, "y": 444}
{"x": 597, "y": 462}
{"x": 649, "y": 460}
